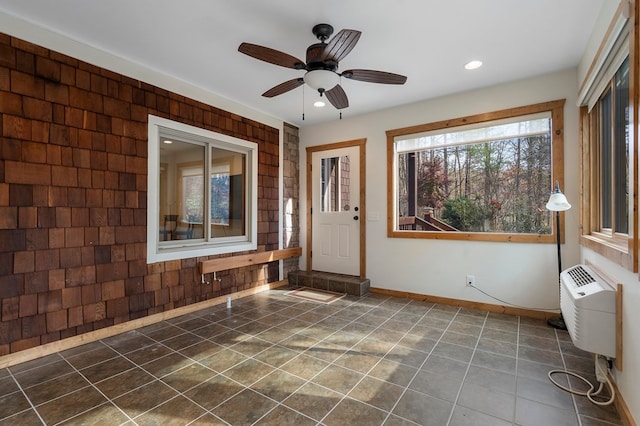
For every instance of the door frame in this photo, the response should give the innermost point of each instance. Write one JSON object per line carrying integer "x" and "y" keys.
{"x": 361, "y": 144}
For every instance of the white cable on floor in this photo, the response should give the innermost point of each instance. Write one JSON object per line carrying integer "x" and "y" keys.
{"x": 511, "y": 304}
{"x": 601, "y": 376}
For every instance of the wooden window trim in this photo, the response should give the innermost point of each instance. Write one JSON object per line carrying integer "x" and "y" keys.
{"x": 623, "y": 251}
{"x": 557, "y": 114}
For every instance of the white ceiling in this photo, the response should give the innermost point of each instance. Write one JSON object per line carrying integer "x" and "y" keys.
{"x": 429, "y": 41}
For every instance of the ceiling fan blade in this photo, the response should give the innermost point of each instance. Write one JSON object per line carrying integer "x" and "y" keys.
{"x": 337, "y": 97}
{"x": 283, "y": 87}
{"x": 372, "y": 76}
{"x": 340, "y": 45}
{"x": 272, "y": 56}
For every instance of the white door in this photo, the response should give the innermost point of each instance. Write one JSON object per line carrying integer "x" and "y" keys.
{"x": 335, "y": 213}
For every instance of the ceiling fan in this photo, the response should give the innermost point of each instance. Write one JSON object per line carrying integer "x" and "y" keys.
{"x": 321, "y": 66}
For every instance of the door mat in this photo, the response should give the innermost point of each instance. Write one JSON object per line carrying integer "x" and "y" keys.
{"x": 314, "y": 295}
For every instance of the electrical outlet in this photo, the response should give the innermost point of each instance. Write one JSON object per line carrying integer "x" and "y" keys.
{"x": 471, "y": 280}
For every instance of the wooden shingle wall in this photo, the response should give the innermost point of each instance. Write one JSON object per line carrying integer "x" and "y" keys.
{"x": 73, "y": 198}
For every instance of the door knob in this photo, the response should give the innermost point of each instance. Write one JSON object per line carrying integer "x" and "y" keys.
{"x": 356, "y": 218}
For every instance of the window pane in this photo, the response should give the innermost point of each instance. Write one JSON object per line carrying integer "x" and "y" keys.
{"x": 621, "y": 135}
{"x": 192, "y": 194}
{"x": 228, "y": 176}
{"x": 499, "y": 186}
{"x": 605, "y": 162}
{"x": 181, "y": 190}
{"x": 335, "y": 184}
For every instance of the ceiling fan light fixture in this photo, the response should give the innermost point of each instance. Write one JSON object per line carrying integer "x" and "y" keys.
{"x": 322, "y": 80}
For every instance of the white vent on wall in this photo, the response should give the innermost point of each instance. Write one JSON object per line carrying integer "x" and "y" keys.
{"x": 589, "y": 309}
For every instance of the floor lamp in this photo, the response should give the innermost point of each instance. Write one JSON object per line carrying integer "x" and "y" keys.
{"x": 558, "y": 203}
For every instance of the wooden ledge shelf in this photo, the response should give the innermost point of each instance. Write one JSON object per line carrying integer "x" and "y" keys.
{"x": 225, "y": 263}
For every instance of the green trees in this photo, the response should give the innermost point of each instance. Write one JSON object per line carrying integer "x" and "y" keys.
{"x": 464, "y": 214}
{"x": 492, "y": 186}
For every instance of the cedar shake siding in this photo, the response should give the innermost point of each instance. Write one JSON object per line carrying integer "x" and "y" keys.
{"x": 73, "y": 198}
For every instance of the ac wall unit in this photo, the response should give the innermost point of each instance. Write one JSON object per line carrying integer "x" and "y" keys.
{"x": 589, "y": 309}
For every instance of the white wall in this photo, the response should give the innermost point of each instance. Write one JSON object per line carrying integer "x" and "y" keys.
{"x": 523, "y": 274}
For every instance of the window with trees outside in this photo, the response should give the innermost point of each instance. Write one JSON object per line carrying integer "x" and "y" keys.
{"x": 483, "y": 177}
{"x": 606, "y": 175}
{"x": 202, "y": 192}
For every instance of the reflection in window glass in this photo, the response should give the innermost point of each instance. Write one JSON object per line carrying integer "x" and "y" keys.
{"x": 228, "y": 179}
{"x": 335, "y": 183}
{"x": 192, "y": 193}
{"x": 613, "y": 113}
{"x": 605, "y": 172}
{"x": 621, "y": 131}
{"x": 220, "y": 194}
{"x": 181, "y": 190}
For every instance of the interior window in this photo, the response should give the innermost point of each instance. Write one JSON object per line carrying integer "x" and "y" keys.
{"x": 188, "y": 214}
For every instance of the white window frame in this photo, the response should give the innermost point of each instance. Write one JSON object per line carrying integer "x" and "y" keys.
{"x": 199, "y": 247}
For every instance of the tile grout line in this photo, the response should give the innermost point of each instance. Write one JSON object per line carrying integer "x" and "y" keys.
{"x": 26, "y": 397}
{"x": 564, "y": 366}
{"x": 179, "y": 393}
{"x": 75, "y": 371}
{"x": 94, "y": 387}
{"x": 307, "y": 381}
{"x": 406, "y": 387}
{"x": 141, "y": 367}
{"x": 464, "y": 377}
{"x": 253, "y": 357}
{"x": 515, "y": 405}
{"x": 378, "y": 362}
{"x": 159, "y": 379}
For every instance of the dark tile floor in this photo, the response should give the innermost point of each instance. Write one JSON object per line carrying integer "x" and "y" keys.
{"x": 272, "y": 359}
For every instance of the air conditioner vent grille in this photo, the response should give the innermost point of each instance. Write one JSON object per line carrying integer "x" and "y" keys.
{"x": 581, "y": 276}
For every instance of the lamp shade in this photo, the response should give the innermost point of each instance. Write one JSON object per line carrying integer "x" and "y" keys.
{"x": 322, "y": 79}
{"x": 557, "y": 201}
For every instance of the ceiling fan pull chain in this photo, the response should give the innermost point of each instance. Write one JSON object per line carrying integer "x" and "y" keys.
{"x": 302, "y": 103}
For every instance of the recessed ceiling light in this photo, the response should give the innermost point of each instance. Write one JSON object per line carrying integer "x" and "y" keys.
{"x": 167, "y": 141}
{"x": 319, "y": 103}
{"x": 473, "y": 65}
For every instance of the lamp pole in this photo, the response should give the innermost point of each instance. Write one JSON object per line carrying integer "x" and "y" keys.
{"x": 558, "y": 244}
{"x": 558, "y": 202}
